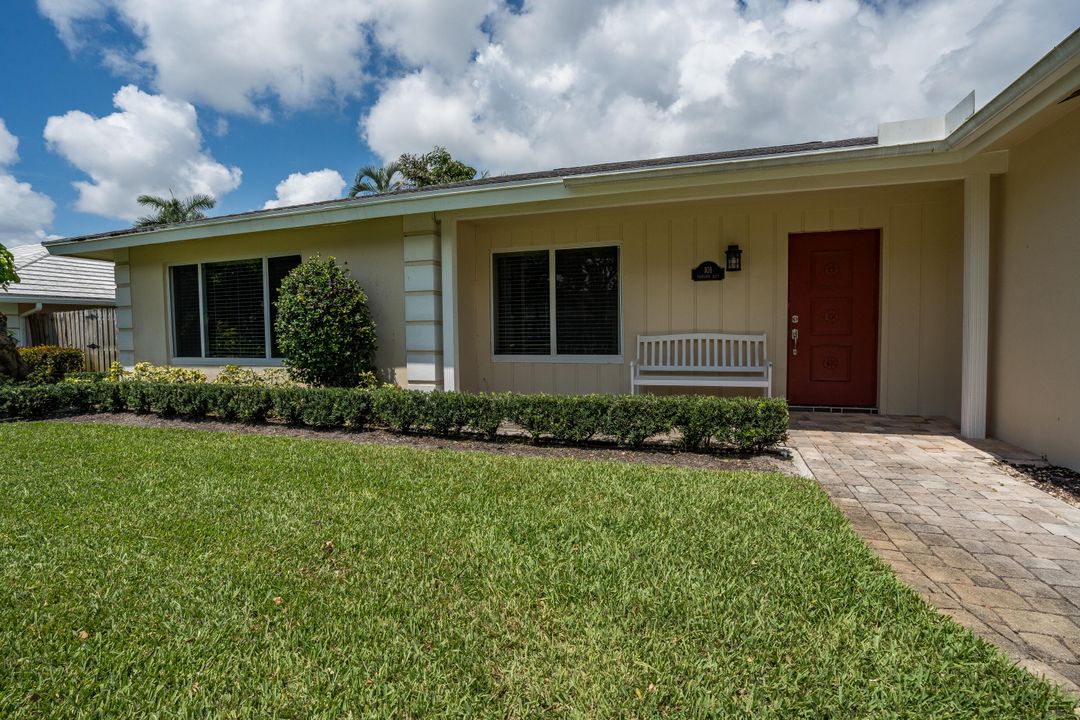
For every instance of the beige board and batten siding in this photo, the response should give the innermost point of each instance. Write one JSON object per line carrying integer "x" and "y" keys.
{"x": 372, "y": 250}
{"x": 922, "y": 233}
{"x": 1034, "y": 364}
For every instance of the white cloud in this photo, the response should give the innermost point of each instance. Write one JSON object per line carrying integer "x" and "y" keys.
{"x": 232, "y": 55}
{"x": 9, "y": 145}
{"x": 150, "y": 145}
{"x": 65, "y": 14}
{"x": 24, "y": 213}
{"x": 440, "y": 34}
{"x": 240, "y": 55}
{"x": 565, "y": 82}
{"x": 301, "y": 188}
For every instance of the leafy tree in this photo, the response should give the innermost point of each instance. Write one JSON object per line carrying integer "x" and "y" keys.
{"x": 324, "y": 327}
{"x": 173, "y": 210}
{"x": 372, "y": 179}
{"x": 434, "y": 168}
{"x": 7, "y": 268}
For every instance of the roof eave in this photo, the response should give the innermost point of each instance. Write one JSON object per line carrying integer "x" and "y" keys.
{"x": 56, "y": 300}
{"x": 346, "y": 211}
{"x": 459, "y": 198}
{"x": 931, "y": 152}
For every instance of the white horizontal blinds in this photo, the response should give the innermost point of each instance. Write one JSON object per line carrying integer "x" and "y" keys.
{"x": 587, "y": 301}
{"x": 522, "y": 303}
{"x": 233, "y": 302}
{"x": 276, "y": 270}
{"x": 187, "y": 330}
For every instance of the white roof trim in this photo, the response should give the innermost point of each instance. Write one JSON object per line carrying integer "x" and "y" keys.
{"x": 55, "y": 300}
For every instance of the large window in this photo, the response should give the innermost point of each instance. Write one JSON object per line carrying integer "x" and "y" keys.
{"x": 556, "y": 302}
{"x": 227, "y": 309}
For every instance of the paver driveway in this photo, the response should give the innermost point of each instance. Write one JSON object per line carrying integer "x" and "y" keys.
{"x": 999, "y": 555}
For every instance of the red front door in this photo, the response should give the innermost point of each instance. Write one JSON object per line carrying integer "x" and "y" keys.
{"x": 833, "y": 318}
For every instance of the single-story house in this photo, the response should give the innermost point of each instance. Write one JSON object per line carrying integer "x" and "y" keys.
{"x": 928, "y": 270}
{"x": 51, "y": 284}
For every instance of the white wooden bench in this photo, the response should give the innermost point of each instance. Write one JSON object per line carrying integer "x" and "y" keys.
{"x": 701, "y": 360}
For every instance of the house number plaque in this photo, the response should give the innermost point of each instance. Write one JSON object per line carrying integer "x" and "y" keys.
{"x": 707, "y": 270}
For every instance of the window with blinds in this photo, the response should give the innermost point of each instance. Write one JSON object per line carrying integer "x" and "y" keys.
{"x": 522, "y": 301}
{"x": 235, "y": 323}
{"x": 587, "y": 301}
{"x": 226, "y": 309}
{"x": 187, "y": 327}
{"x": 276, "y": 270}
{"x": 584, "y": 292}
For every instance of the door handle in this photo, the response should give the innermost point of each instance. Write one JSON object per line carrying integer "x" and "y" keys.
{"x": 794, "y": 341}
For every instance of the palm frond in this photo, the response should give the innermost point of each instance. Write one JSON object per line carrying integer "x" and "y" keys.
{"x": 153, "y": 201}
{"x": 200, "y": 201}
{"x": 172, "y": 210}
{"x": 372, "y": 179}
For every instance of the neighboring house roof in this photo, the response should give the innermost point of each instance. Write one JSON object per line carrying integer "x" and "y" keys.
{"x": 58, "y": 279}
{"x": 949, "y": 140}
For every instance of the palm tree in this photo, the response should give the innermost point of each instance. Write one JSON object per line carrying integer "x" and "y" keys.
{"x": 372, "y": 179}
{"x": 172, "y": 210}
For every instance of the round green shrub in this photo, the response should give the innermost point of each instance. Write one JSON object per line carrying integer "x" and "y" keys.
{"x": 324, "y": 328}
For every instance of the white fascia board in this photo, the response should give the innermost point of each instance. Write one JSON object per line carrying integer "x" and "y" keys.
{"x": 53, "y": 300}
{"x": 824, "y": 162}
{"x": 454, "y": 200}
{"x": 293, "y": 218}
{"x": 754, "y": 184}
{"x": 526, "y": 192}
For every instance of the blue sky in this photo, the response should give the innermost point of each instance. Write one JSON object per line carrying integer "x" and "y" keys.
{"x": 51, "y": 80}
{"x": 280, "y": 101}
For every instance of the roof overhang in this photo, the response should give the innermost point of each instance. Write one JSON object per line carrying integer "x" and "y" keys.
{"x": 54, "y": 300}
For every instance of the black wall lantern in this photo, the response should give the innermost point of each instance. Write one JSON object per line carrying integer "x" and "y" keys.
{"x": 734, "y": 258}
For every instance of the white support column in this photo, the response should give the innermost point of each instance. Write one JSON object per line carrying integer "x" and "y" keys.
{"x": 976, "y": 306}
{"x": 449, "y": 305}
{"x": 423, "y": 302}
{"x": 125, "y": 325}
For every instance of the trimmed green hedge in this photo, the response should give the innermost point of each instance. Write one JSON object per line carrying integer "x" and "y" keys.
{"x": 50, "y": 363}
{"x": 742, "y": 424}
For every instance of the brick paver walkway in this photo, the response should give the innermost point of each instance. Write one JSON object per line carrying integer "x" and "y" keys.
{"x": 998, "y": 555}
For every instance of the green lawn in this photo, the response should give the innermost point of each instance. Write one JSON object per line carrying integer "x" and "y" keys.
{"x": 187, "y": 574}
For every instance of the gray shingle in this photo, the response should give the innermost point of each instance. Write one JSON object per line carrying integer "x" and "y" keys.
{"x": 52, "y": 276}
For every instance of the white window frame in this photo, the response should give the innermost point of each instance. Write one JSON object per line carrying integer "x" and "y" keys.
{"x": 554, "y": 357}
{"x": 266, "y": 360}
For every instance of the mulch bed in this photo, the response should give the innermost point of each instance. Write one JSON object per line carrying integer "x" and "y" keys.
{"x": 657, "y": 454}
{"x": 1055, "y": 480}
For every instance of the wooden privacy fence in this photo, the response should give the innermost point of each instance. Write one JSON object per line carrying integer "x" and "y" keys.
{"x": 93, "y": 331}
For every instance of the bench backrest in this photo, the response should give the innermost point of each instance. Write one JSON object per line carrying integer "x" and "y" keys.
{"x": 702, "y": 352}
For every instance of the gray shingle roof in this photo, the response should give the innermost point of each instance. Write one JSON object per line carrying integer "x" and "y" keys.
{"x": 54, "y": 277}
